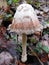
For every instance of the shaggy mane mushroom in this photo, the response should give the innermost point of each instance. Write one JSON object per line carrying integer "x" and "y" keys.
{"x": 25, "y": 22}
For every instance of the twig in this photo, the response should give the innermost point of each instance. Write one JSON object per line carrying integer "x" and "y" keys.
{"x": 35, "y": 55}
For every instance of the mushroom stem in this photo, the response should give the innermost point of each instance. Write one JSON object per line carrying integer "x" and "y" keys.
{"x": 24, "y": 53}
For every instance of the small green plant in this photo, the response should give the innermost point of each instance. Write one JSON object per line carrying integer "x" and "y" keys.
{"x": 33, "y": 40}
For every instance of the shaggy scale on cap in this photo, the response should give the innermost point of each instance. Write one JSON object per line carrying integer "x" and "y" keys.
{"x": 25, "y": 20}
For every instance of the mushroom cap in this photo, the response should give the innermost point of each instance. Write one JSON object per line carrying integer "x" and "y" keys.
{"x": 5, "y": 57}
{"x": 25, "y": 20}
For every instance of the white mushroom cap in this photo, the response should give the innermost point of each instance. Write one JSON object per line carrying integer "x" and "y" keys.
{"x": 25, "y": 20}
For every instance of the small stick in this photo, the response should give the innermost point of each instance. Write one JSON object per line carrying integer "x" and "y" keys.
{"x": 35, "y": 55}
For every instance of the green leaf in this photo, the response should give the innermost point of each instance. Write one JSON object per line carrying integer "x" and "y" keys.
{"x": 38, "y": 50}
{"x": 46, "y": 49}
{"x": 39, "y": 45}
{"x": 19, "y": 48}
{"x": 9, "y": 2}
{"x": 15, "y": 1}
